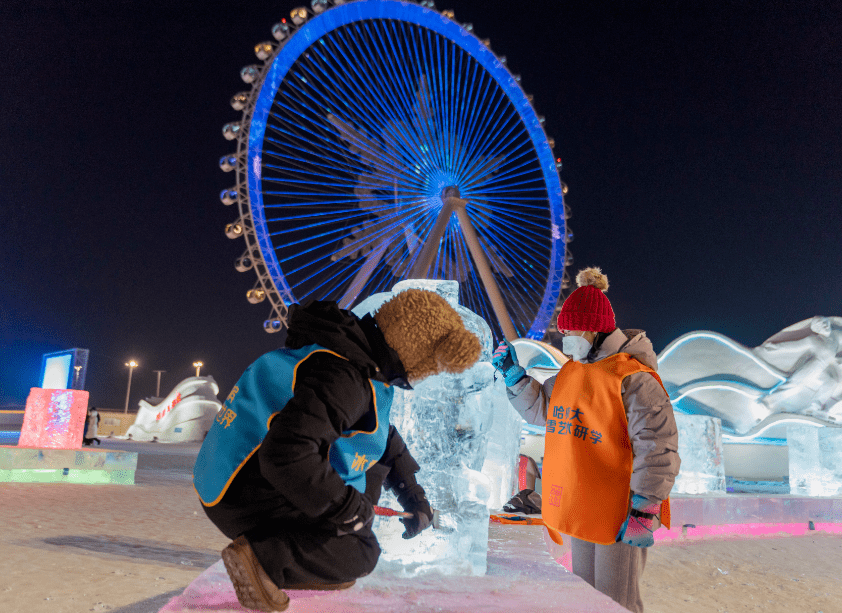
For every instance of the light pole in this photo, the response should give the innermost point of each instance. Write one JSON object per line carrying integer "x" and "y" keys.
{"x": 198, "y": 366}
{"x": 132, "y": 365}
{"x": 158, "y": 388}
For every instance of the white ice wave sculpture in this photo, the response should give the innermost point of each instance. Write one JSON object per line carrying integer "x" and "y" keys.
{"x": 185, "y": 415}
{"x": 465, "y": 436}
{"x": 795, "y": 377}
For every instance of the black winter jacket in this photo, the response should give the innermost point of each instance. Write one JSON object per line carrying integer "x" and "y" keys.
{"x": 290, "y": 477}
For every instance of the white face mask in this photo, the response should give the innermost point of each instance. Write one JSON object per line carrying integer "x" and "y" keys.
{"x": 575, "y": 347}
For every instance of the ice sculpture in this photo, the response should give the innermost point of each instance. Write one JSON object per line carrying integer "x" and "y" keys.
{"x": 815, "y": 460}
{"x": 54, "y": 418}
{"x": 795, "y": 375}
{"x": 185, "y": 415}
{"x": 700, "y": 449}
{"x": 465, "y": 436}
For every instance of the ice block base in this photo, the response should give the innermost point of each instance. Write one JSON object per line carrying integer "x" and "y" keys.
{"x": 521, "y": 577}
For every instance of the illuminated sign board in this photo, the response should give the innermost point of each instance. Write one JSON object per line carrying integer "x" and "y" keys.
{"x": 63, "y": 370}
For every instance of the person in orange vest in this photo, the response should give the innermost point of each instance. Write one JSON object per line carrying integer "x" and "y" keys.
{"x": 611, "y": 443}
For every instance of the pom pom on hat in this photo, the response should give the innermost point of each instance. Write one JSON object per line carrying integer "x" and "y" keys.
{"x": 587, "y": 308}
{"x": 592, "y": 276}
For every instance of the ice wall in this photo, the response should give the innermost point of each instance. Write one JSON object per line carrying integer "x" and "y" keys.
{"x": 700, "y": 449}
{"x": 465, "y": 436}
{"x": 815, "y": 460}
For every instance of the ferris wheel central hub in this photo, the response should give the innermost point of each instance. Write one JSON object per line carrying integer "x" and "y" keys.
{"x": 451, "y": 191}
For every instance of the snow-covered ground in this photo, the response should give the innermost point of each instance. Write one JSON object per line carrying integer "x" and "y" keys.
{"x": 130, "y": 549}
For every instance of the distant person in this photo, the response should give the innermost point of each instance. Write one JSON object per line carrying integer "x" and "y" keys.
{"x": 611, "y": 443}
{"x": 302, "y": 445}
{"x": 91, "y": 426}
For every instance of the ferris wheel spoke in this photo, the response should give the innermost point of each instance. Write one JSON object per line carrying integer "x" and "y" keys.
{"x": 523, "y": 234}
{"x": 532, "y": 224}
{"x": 371, "y": 233}
{"x": 379, "y": 94}
{"x": 426, "y": 84}
{"x": 470, "y": 117}
{"x": 358, "y": 171}
{"x": 475, "y": 290}
{"x": 417, "y": 90}
{"x": 375, "y": 156}
{"x": 444, "y": 141}
{"x": 372, "y": 240}
{"x": 511, "y": 171}
{"x": 504, "y": 151}
{"x": 425, "y": 111}
{"x": 407, "y": 89}
{"x": 488, "y": 148}
{"x": 440, "y": 88}
{"x": 519, "y": 307}
{"x": 474, "y": 140}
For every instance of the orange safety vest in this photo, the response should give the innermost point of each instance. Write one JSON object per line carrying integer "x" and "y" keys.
{"x": 587, "y": 456}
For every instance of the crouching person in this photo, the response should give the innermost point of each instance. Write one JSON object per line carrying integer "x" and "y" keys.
{"x": 611, "y": 443}
{"x": 302, "y": 446}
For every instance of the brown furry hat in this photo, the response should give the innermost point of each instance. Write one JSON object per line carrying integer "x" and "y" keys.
{"x": 427, "y": 334}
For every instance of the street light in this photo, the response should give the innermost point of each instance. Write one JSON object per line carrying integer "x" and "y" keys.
{"x": 132, "y": 365}
{"x": 198, "y": 366}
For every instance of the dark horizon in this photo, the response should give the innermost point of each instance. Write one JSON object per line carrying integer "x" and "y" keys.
{"x": 702, "y": 145}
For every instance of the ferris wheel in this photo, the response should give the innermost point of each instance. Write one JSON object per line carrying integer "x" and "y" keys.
{"x": 382, "y": 140}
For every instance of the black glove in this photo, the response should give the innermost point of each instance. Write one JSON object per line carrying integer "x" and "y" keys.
{"x": 352, "y": 514}
{"x": 422, "y": 514}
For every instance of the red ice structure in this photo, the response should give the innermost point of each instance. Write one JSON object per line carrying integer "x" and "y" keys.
{"x": 54, "y": 419}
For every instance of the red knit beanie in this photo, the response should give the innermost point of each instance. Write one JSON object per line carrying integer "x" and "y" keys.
{"x": 587, "y": 308}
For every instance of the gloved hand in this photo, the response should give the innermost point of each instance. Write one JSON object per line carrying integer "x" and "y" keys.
{"x": 422, "y": 514}
{"x": 526, "y": 501}
{"x": 639, "y": 528}
{"x": 352, "y": 514}
{"x": 504, "y": 360}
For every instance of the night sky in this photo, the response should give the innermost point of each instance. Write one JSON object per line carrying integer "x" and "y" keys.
{"x": 701, "y": 141}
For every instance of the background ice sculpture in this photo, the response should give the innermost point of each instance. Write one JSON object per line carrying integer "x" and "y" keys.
{"x": 185, "y": 415}
{"x": 795, "y": 376}
{"x": 465, "y": 436}
{"x": 815, "y": 460}
{"x": 700, "y": 449}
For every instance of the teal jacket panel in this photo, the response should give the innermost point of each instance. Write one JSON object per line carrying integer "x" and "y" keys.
{"x": 243, "y": 422}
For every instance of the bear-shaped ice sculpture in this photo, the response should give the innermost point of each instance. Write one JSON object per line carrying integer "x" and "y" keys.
{"x": 465, "y": 436}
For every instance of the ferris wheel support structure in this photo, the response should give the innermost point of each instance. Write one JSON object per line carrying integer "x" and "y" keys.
{"x": 452, "y": 203}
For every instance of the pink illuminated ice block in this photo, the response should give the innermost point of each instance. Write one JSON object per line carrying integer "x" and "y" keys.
{"x": 54, "y": 419}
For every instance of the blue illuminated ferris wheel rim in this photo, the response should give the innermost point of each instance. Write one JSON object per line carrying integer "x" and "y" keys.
{"x": 346, "y": 14}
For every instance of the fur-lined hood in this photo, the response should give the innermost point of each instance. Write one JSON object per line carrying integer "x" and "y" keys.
{"x": 413, "y": 335}
{"x": 357, "y": 339}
